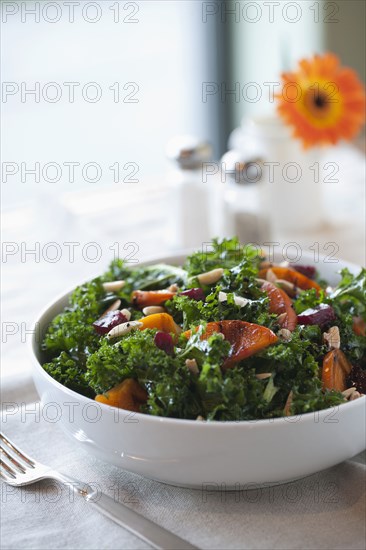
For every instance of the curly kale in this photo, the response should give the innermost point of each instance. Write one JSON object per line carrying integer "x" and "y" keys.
{"x": 213, "y": 350}
{"x": 315, "y": 399}
{"x": 294, "y": 367}
{"x": 350, "y": 294}
{"x": 70, "y": 373}
{"x": 241, "y": 279}
{"x": 166, "y": 378}
{"x": 226, "y": 253}
{"x": 84, "y": 361}
{"x": 308, "y": 299}
{"x": 235, "y": 394}
{"x": 192, "y": 313}
{"x": 236, "y": 281}
{"x": 349, "y": 301}
{"x": 72, "y": 330}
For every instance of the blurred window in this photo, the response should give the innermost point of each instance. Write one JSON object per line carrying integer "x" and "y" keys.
{"x": 92, "y": 91}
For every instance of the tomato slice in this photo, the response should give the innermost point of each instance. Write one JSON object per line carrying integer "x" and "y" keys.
{"x": 144, "y": 298}
{"x": 294, "y": 277}
{"x": 281, "y": 304}
{"x": 336, "y": 368}
{"x": 246, "y": 339}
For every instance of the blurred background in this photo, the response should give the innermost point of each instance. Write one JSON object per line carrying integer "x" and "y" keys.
{"x": 92, "y": 92}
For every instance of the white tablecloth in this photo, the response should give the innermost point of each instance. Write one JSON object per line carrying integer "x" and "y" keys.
{"x": 324, "y": 511}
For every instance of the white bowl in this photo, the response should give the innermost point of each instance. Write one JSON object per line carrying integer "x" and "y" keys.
{"x": 214, "y": 455}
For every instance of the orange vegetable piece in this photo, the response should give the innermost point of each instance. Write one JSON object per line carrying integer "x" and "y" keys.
{"x": 160, "y": 321}
{"x": 294, "y": 277}
{"x": 245, "y": 338}
{"x": 144, "y": 298}
{"x": 336, "y": 368}
{"x": 281, "y": 304}
{"x": 359, "y": 326}
{"x": 127, "y": 395}
{"x": 211, "y": 328}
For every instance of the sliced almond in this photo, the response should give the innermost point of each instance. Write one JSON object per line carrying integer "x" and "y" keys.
{"x": 281, "y": 318}
{"x": 222, "y": 296}
{"x": 123, "y": 328}
{"x": 191, "y": 365}
{"x": 113, "y": 307}
{"x": 263, "y": 375}
{"x": 150, "y": 310}
{"x": 270, "y": 276}
{"x": 290, "y": 289}
{"x": 239, "y": 300}
{"x": 200, "y": 418}
{"x": 210, "y": 277}
{"x": 126, "y": 313}
{"x": 355, "y": 395}
{"x": 287, "y": 407}
{"x": 284, "y": 334}
{"x": 332, "y": 338}
{"x": 261, "y": 281}
{"x": 348, "y": 392}
{"x": 113, "y": 286}
{"x": 173, "y": 288}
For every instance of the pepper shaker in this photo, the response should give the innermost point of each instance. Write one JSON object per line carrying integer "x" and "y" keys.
{"x": 188, "y": 210}
{"x": 243, "y": 213}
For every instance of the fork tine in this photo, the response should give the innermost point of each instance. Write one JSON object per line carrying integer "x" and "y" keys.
{"x": 2, "y": 476}
{"x": 9, "y": 458}
{"x": 8, "y": 444}
{"x": 7, "y": 469}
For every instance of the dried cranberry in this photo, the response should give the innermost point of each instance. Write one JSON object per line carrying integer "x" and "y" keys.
{"x": 307, "y": 270}
{"x": 357, "y": 378}
{"x": 194, "y": 294}
{"x": 164, "y": 341}
{"x": 108, "y": 321}
{"x": 320, "y": 315}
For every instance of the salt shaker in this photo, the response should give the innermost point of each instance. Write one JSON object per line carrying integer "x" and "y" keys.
{"x": 188, "y": 209}
{"x": 243, "y": 213}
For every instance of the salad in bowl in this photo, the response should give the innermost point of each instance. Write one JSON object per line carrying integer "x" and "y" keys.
{"x": 227, "y": 336}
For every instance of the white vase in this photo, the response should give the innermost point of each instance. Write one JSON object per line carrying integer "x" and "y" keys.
{"x": 291, "y": 187}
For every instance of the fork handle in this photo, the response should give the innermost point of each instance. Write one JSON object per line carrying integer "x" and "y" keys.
{"x": 145, "y": 529}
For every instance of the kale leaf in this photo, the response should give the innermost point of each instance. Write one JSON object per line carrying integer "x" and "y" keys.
{"x": 72, "y": 330}
{"x": 70, "y": 373}
{"x": 350, "y": 294}
{"x": 225, "y": 253}
{"x": 166, "y": 378}
{"x": 308, "y": 299}
{"x": 348, "y": 301}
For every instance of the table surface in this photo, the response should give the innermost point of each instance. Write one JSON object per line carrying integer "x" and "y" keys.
{"x": 322, "y": 511}
{"x": 112, "y": 217}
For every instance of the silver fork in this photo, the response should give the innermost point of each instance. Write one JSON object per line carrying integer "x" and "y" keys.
{"x": 18, "y": 469}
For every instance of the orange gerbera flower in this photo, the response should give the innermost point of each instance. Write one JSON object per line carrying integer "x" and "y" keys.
{"x": 322, "y": 101}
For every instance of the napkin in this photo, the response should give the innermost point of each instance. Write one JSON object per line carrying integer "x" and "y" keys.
{"x": 322, "y": 511}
